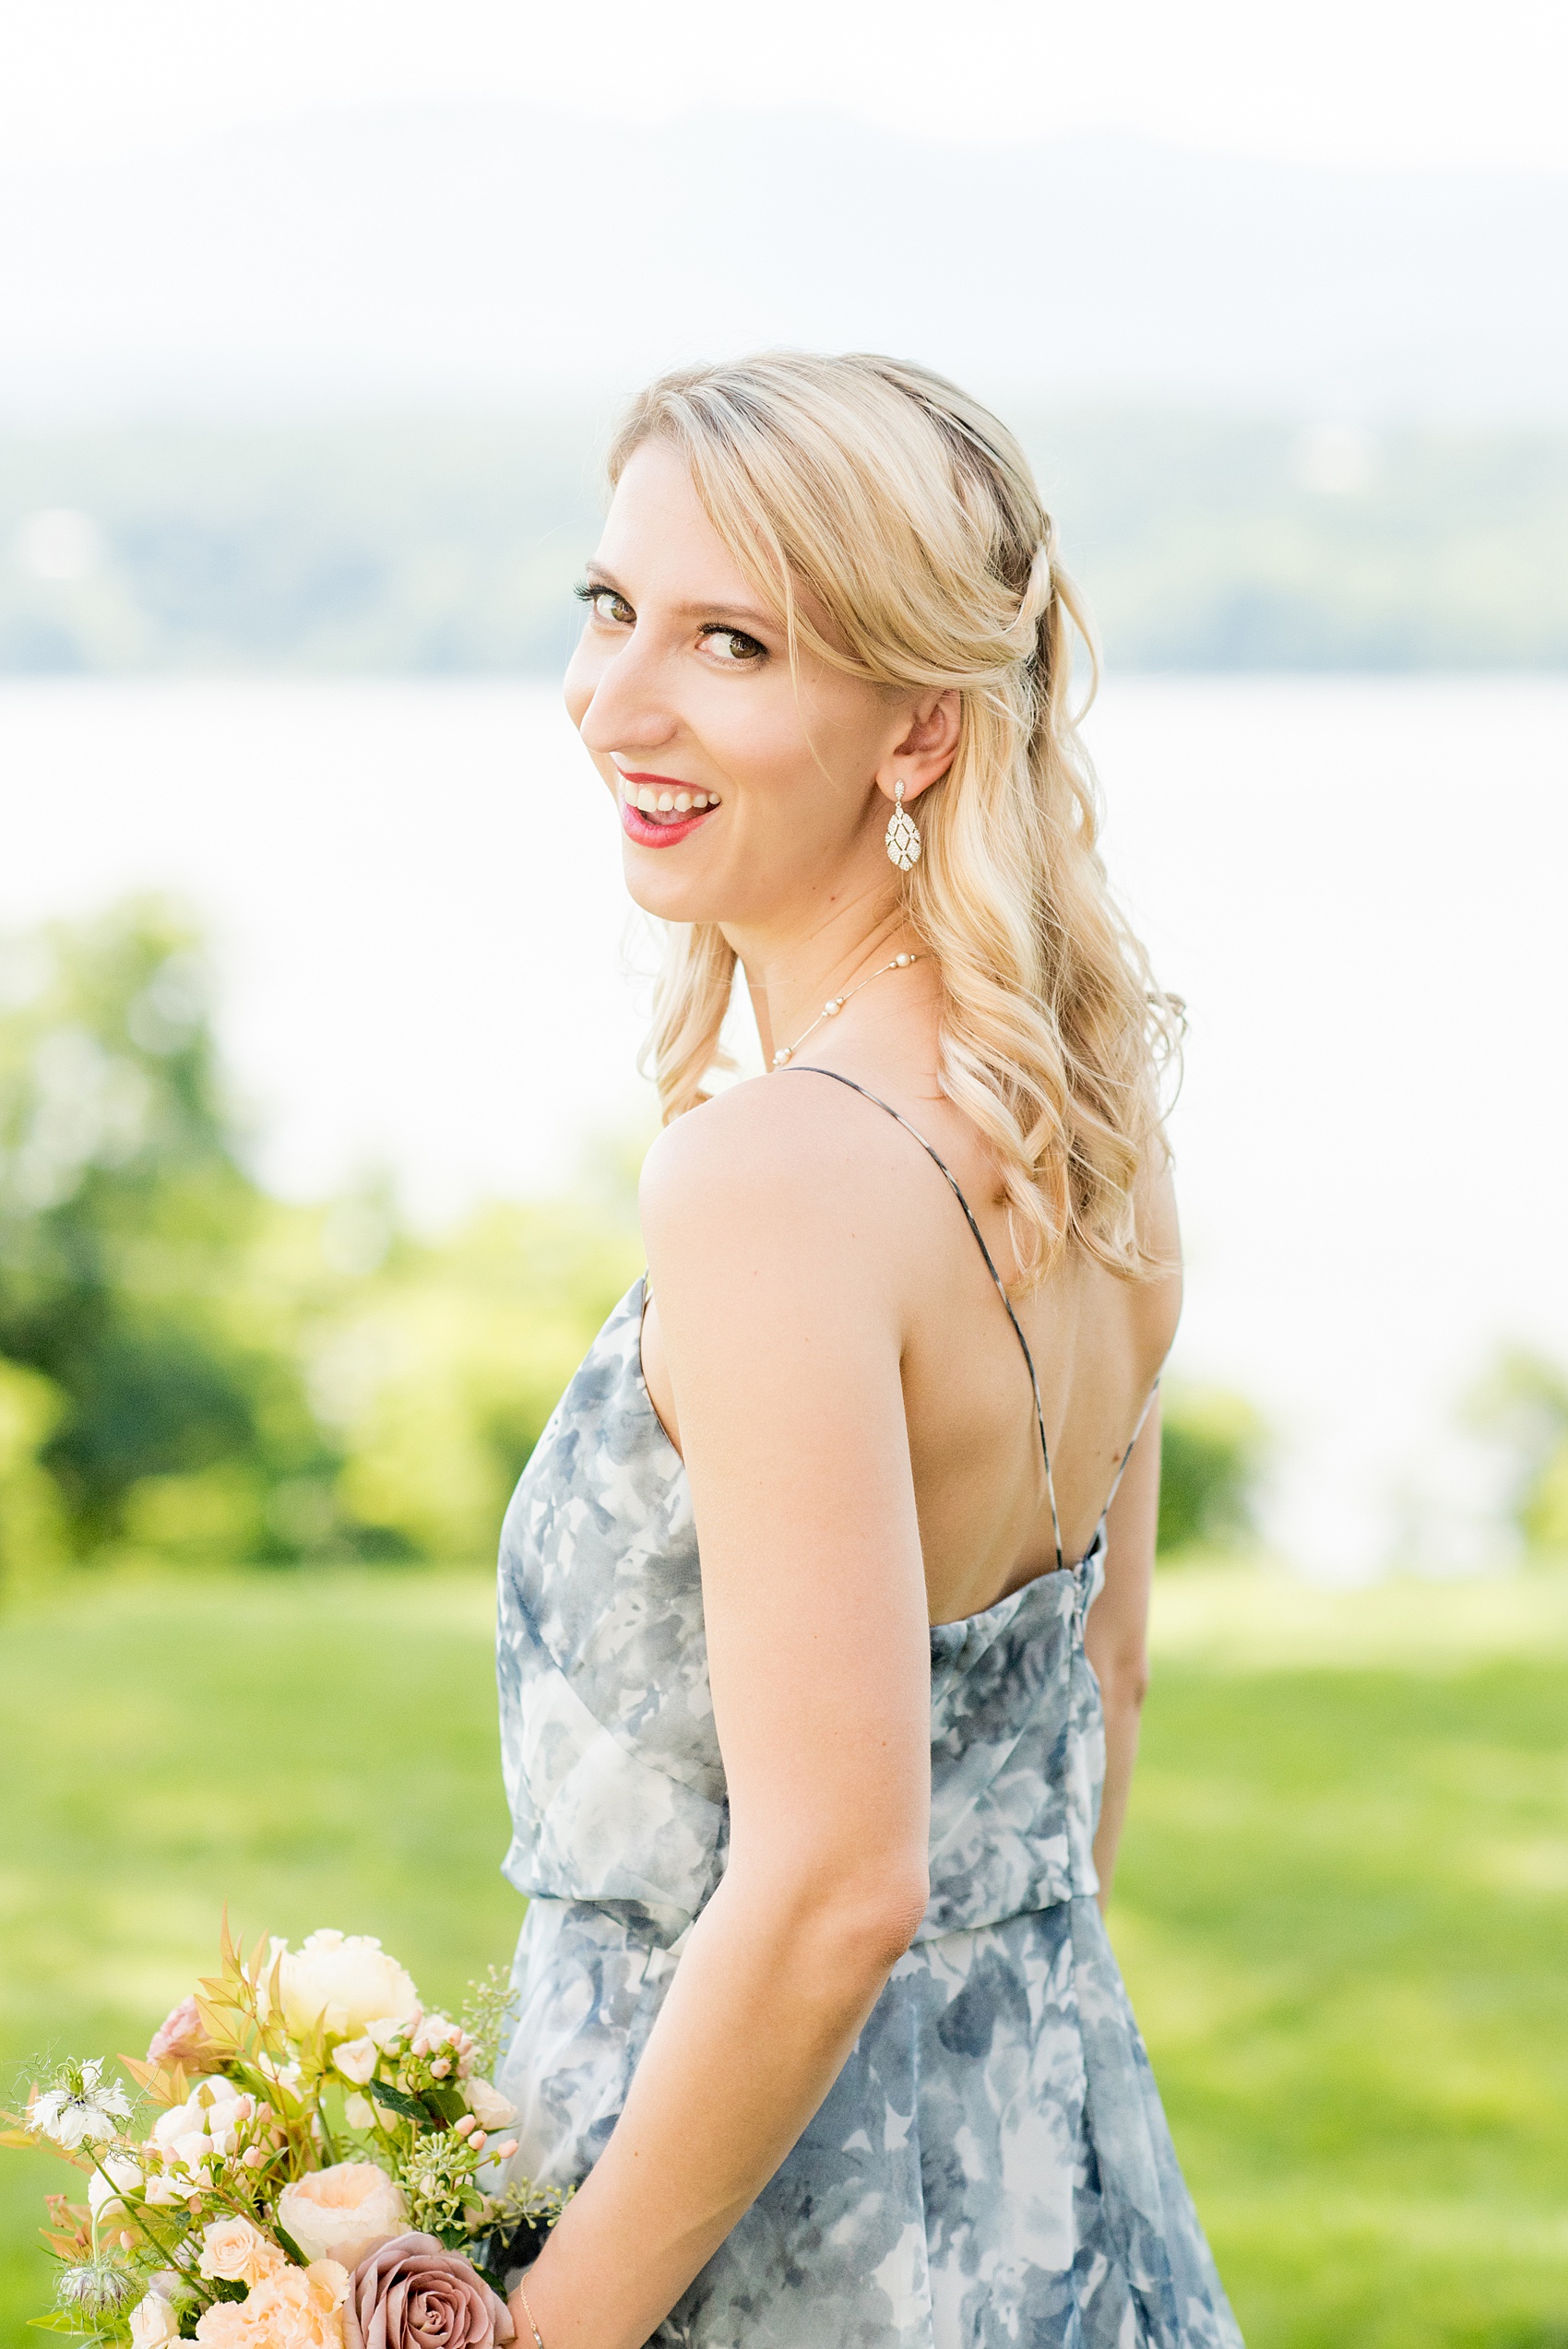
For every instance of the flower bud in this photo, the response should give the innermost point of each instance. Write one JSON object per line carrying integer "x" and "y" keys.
{"x": 505, "y": 2153}
{"x": 439, "y": 2069}
{"x": 478, "y": 2141}
{"x": 462, "y": 2128}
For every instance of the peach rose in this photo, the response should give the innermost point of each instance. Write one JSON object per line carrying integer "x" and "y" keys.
{"x": 297, "y": 2308}
{"x": 342, "y": 2212}
{"x": 236, "y": 2252}
{"x": 414, "y": 2294}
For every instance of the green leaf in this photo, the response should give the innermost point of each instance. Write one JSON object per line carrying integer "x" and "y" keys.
{"x": 397, "y": 2101}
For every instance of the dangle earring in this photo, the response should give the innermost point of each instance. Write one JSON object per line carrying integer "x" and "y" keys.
{"x": 902, "y": 837}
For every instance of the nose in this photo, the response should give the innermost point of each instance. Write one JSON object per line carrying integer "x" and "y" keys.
{"x": 628, "y": 709}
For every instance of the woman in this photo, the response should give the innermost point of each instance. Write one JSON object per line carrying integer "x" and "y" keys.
{"x": 815, "y": 2007}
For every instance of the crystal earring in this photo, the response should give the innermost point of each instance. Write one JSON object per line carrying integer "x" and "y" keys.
{"x": 903, "y": 835}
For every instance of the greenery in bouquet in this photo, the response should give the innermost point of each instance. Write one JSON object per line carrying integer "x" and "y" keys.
{"x": 311, "y": 2161}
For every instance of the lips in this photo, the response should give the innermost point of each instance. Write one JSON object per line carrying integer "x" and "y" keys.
{"x": 659, "y": 827}
{"x": 650, "y": 833}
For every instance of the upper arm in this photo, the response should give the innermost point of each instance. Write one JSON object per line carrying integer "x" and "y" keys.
{"x": 1116, "y": 1635}
{"x": 780, "y": 1319}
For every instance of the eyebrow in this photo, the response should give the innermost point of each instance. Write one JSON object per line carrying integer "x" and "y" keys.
{"x": 744, "y": 614}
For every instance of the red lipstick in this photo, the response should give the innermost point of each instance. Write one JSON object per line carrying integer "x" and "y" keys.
{"x": 662, "y": 831}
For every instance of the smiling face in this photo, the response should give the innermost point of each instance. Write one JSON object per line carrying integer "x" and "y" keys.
{"x": 745, "y": 798}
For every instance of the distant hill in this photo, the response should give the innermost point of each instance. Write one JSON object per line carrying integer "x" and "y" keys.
{"x": 450, "y": 545}
{"x": 485, "y": 256}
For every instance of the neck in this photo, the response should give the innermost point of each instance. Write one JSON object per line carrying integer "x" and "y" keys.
{"x": 789, "y": 977}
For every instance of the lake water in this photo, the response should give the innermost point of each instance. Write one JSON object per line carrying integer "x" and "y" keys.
{"x": 1358, "y": 885}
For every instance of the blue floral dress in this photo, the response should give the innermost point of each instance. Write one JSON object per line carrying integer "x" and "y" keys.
{"x": 992, "y": 2165}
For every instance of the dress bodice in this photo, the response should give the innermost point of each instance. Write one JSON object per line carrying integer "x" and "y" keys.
{"x": 612, "y": 1767}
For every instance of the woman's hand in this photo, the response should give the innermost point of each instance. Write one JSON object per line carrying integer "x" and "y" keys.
{"x": 780, "y": 1302}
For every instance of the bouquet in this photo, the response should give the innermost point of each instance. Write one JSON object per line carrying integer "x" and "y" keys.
{"x": 308, "y": 2161}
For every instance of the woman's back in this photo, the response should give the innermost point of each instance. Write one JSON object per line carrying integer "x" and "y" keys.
{"x": 1095, "y": 1343}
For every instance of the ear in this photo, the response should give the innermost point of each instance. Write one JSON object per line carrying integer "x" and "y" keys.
{"x": 929, "y": 746}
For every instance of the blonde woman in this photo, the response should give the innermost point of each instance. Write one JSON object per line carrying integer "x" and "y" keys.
{"x": 814, "y": 1787}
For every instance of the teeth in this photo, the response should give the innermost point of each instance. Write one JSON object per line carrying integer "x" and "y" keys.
{"x": 652, "y": 802}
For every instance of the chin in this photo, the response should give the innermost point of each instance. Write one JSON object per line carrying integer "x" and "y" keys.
{"x": 669, "y": 896}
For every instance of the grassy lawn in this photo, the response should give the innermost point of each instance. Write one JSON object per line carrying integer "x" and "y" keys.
{"x": 1343, "y": 1910}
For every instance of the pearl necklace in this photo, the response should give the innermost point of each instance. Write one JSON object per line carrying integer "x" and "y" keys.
{"x": 835, "y": 1004}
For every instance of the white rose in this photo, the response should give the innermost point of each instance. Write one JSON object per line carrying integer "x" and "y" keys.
{"x": 339, "y": 1982}
{"x": 342, "y": 2212}
{"x": 356, "y": 2060}
{"x": 358, "y": 2112}
{"x": 488, "y": 2106}
{"x": 153, "y": 2322}
{"x": 102, "y": 2198}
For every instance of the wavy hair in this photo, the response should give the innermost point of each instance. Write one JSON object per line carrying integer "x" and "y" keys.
{"x": 881, "y": 497}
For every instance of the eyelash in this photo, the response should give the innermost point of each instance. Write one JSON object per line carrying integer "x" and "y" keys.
{"x": 586, "y": 591}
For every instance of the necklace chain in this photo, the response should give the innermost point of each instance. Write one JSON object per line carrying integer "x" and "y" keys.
{"x": 835, "y": 1004}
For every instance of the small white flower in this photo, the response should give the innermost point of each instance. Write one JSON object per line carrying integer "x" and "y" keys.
{"x": 356, "y": 2060}
{"x": 105, "y": 2186}
{"x": 82, "y": 2108}
{"x": 154, "y": 2324}
{"x": 488, "y": 2106}
{"x": 358, "y": 2112}
{"x": 388, "y": 2029}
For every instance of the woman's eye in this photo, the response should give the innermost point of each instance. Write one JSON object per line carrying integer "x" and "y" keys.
{"x": 610, "y": 609}
{"x": 732, "y": 645}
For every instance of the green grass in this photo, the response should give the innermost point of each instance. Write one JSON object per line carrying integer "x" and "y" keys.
{"x": 1343, "y": 1909}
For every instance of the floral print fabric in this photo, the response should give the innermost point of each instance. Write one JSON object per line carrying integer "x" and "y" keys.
{"x": 992, "y": 2165}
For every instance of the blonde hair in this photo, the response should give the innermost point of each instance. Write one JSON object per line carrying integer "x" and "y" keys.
{"x": 879, "y": 495}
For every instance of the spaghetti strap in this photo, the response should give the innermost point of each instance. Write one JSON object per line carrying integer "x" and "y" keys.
{"x": 1121, "y": 1464}
{"x": 809, "y": 1068}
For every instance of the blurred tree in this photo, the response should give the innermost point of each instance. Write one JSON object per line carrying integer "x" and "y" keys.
{"x": 125, "y": 1209}
{"x": 1213, "y": 1447}
{"x": 1523, "y": 1406}
{"x": 191, "y": 1368}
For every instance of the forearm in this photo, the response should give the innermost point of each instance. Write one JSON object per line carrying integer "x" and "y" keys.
{"x": 1122, "y": 1698}
{"x": 767, "y": 2003}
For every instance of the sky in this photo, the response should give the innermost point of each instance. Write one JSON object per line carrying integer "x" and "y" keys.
{"x": 1385, "y": 84}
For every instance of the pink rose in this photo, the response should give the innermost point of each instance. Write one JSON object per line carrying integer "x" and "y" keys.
{"x": 414, "y": 2293}
{"x": 180, "y": 2038}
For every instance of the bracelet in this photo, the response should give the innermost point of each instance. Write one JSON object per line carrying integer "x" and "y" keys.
{"x": 538, "y": 2336}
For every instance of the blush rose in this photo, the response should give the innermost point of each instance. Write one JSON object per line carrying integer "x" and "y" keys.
{"x": 342, "y": 2212}
{"x": 414, "y": 2293}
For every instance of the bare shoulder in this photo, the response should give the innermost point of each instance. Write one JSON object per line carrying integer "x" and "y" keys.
{"x": 1159, "y": 1233}
{"x": 778, "y": 1168}
{"x": 1159, "y": 1227}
